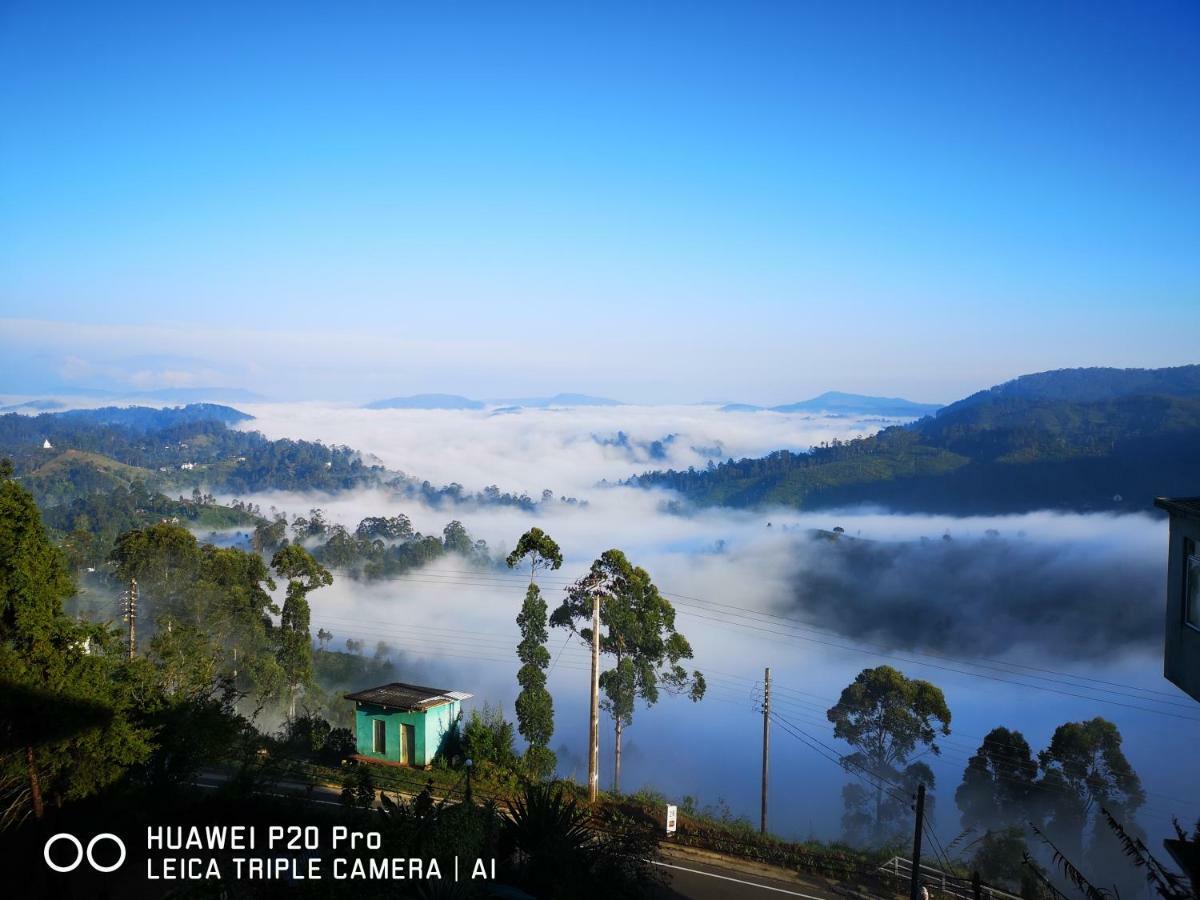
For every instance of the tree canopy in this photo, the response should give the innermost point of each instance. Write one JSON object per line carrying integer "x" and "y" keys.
{"x": 638, "y": 633}
{"x": 535, "y": 706}
{"x": 886, "y": 716}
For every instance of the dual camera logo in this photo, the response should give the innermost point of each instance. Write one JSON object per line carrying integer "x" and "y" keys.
{"x": 81, "y": 853}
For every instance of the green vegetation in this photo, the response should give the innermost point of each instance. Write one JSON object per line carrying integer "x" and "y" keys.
{"x": 885, "y": 716}
{"x": 114, "y": 470}
{"x": 1063, "y": 795}
{"x": 304, "y": 575}
{"x": 98, "y": 451}
{"x": 535, "y": 706}
{"x": 379, "y": 548}
{"x": 639, "y": 633}
{"x": 1079, "y": 439}
{"x": 79, "y": 717}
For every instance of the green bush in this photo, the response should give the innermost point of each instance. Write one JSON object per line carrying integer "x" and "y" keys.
{"x": 487, "y": 739}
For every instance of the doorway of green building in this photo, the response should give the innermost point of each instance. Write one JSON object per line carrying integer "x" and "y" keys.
{"x": 408, "y": 743}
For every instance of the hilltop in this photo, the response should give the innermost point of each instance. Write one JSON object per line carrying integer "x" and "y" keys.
{"x": 840, "y": 403}
{"x": 1081, "y": 439}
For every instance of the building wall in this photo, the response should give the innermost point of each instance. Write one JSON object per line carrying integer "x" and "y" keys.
{"x": 429, "y": 730}
{"x": 1181, "y": 654}
{"x": 438, "y": 722}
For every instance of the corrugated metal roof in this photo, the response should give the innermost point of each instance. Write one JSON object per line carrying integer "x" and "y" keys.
{"x": 1187, "y": 506}
{"x": 399, "y": 695}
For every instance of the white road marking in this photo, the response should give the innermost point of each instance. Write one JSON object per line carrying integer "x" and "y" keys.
{"x": 765, "y": 887}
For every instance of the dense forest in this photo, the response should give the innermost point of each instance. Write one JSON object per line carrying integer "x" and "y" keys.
{"x": 1100, "y": 439}
{"x": 182, "y": 447}
{"x": 380, "y": 547}
{"x": 110, "y": 471}
{"x": 192, "y": 447}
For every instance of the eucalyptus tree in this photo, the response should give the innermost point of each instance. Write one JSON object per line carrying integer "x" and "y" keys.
{"x": 999, "y": 787}
{"x": 886, "y": 715}
{"x": 1085, "y": 770}
{"x": 638, "y": 633}
{"x": 304, "y": 575}
{"x": 535, "y": 706}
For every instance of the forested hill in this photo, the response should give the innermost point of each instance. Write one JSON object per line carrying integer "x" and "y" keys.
{"x": 1090, "y": 385}
{"x": 173, "y": 450}
{"x": 112, "y": 470}
{"x": 169, "y": 448}
{"x": 1081, "y": 439}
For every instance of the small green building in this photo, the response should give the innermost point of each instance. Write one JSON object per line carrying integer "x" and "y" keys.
{"x": 404, "y": 724}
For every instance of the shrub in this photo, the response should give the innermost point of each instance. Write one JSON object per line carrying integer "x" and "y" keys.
{"x": 488, "y": 739}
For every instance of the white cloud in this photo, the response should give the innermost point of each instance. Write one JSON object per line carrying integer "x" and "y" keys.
{"x": 453, "y": 627}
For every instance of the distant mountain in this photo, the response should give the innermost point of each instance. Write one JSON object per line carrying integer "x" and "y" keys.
{"x": 558, "y": 400}
{"x": 33, "y": 405}
{"x": 454, "y": 401}
{"x": 847, "y": 404}
{"x": 426, "y": 401}
{"x": 836, "y": 401}
{"x": 199, "y": 395}
{"x": 741, "y": 407}
{"x": 1092, "y": 439}
{"x": 168, "y": 395}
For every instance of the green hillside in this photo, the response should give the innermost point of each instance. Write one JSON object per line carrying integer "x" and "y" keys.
{"x": 1020, "y": 446}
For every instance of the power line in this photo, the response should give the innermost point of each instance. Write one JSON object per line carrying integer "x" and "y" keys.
{"x": 803, "y": 631}
{"x": 801, "y": 623}
{"x": 948, "y": 761}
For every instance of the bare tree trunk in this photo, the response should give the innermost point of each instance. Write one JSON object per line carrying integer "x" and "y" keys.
{"x": 617, "y": 759}
{"x": 35, "y": 786}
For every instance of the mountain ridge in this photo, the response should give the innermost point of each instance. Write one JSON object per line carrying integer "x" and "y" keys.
{"x": 1009, "y": 449}
{"x": 840, "y": 402}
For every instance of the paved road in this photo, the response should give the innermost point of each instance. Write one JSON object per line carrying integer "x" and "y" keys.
{"x": 687, "y": 878}
{"x": 707, "y": 881}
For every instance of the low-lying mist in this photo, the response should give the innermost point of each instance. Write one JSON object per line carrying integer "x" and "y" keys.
{"x": 1080, "y": 593}
{"x": 566, "y": 450}
{"x": 991, "y": 596}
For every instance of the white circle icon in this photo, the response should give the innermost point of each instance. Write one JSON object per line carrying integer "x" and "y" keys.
{"x": 80, "y": 853}
{"x": 120, "y": 860}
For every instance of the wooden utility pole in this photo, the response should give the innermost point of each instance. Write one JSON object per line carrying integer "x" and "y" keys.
{"x": 766, "y": 743}
{"x": 594, "y": 729}
{"x": 914, "y": 890}
{"x": 976, "y": 886}
{"x": 131, "y": 612}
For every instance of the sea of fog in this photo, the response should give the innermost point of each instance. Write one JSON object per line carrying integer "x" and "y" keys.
{"x": 1026, "y": 621}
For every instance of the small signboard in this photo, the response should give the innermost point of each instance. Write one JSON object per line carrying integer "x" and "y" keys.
{"x": 671, "y": 814}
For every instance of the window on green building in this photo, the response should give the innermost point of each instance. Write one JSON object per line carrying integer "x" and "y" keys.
{"x": 380, "y": 736}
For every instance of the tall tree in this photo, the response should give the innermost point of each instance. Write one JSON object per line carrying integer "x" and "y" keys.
{"x": 1084, "y": 769}
{"x": 48, "y": 660}
{"x": 859, "y": 825}
{"x": 206, "y": 606}
{"x": 638, "y": 633}
{"x": 165, "y": 559}
{"x": 535, "y": 706}
{"x": 886, "y": 716}
{"x": 999, "y": 787}
{"x": 304, "y": 575}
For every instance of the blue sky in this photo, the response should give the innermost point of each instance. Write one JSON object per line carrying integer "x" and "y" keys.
{"x": 684, "y": 202}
